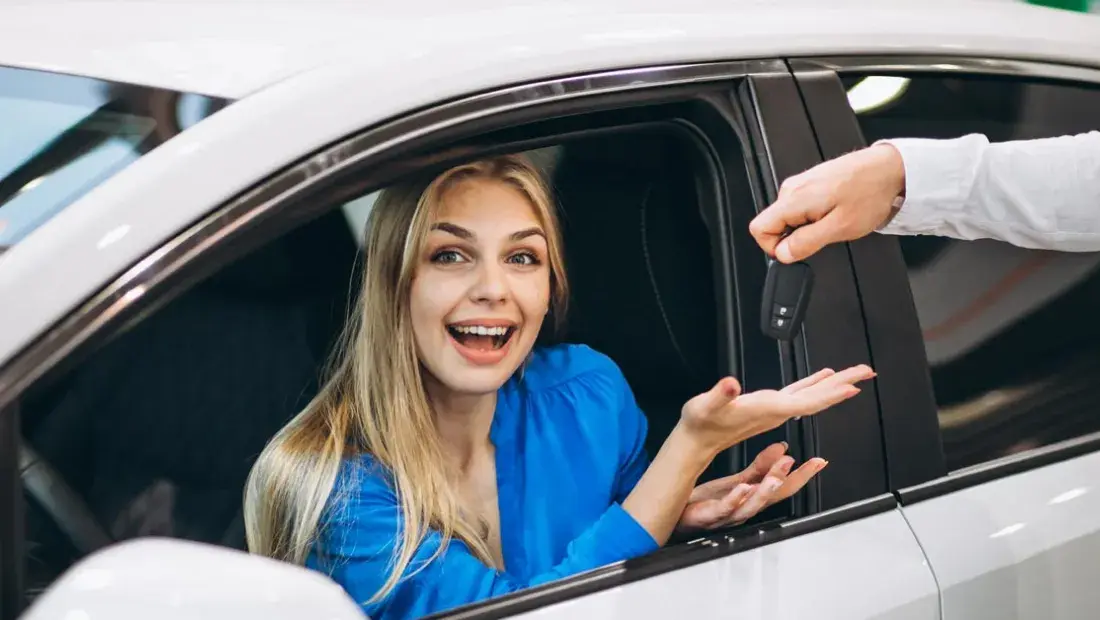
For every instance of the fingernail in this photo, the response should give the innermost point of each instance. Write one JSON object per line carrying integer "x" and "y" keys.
{"x": 785, "y": 446}
{"x": 728, "y": 387}
{"x": 822, "y": 465}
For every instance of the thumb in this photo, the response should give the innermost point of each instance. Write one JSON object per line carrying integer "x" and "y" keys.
{"x": 808, "y": 240}
{"x": 717, "y": 397}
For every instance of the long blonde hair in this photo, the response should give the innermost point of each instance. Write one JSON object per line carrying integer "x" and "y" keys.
{"x": 374, "y": 400}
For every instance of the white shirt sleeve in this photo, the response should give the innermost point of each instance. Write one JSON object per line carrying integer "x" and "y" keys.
{"x": 1040, "y": 194}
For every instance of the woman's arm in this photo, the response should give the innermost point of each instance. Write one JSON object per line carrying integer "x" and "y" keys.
{"x": 357, "y": 545}
{"x": 716, "y": 420}
{"x": 357, "y": 551}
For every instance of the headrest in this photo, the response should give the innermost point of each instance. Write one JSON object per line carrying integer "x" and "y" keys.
{"x": 638, "y": 260}
{"x": 316, "y": 258}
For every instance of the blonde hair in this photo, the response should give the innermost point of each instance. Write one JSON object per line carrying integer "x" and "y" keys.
{"x": 374, "y": 400}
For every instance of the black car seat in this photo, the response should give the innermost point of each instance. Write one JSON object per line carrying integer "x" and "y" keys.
{"x": 158, "y": 430}
{"x": 639, "y": 264}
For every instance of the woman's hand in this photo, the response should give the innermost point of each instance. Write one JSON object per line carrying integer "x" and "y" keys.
{"x": 723, "y": 417}
{"x": 737, "y": 498}
{"x": 712, "y": 422}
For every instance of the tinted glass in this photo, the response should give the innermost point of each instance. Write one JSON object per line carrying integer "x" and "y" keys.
{"x": 64, "y": 135}
{"x": 1013, "y": 349}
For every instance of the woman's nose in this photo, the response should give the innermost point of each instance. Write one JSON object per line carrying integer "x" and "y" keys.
{"x": 491, "y": 285}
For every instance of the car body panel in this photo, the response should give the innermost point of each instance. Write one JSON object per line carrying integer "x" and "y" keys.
{"x": 1022, "y": 546}
{"x": 159, "y": 195}
{"x": 870, "y": 568}
{"x": 173, "y": 579}
{"x": 232, "y": 48}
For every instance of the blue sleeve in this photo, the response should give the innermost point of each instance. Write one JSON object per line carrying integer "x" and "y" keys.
{"x": 633, "y": 426}
{"x": 358, "y": 545}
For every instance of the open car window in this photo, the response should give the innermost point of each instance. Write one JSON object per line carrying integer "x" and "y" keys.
{"x": 64, "y": 135}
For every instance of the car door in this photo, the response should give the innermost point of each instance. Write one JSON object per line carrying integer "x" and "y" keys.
{"x": 989, "y": 412}
{"x": 815, "y": 554}
{"x": 846, "y": 550}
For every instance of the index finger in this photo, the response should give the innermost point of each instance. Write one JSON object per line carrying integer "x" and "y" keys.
{"x": 800, "y": 477}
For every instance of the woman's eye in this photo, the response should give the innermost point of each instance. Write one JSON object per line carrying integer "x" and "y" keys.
{"x": 524, "y": 258}
{"x": 447, "y": 257}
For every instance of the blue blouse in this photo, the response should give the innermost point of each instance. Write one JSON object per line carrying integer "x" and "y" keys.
{"x": 569, "y": 441}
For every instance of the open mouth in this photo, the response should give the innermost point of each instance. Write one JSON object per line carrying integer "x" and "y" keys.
{"x": 481, "y": 337}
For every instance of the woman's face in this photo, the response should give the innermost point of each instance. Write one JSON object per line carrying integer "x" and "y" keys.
{"x": 481, "y": 288}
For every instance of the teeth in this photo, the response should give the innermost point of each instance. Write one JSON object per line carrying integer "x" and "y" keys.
{"x": 480, "y": 330}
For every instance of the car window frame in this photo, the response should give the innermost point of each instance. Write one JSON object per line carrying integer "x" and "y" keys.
{"x": 114, "y": 98}
{"x": 260, "y": 214}
{"x": 833, "y": 333}
{"x": 916, "y": 463}
{"x": 11, "y": 516}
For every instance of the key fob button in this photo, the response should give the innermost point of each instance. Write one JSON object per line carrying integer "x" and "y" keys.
{"x": 786, "y": 296}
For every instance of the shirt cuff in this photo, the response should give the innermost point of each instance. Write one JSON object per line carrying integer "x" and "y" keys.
{"x": 938, "y": 175}
{"x": 624, "y": 534}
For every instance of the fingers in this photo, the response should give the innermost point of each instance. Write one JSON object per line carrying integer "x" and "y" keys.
{"x": 764, "y": 461}
{"x": 802, "y": 204}
{"x": 837, "y": 200}
{"x": 769, "y": 226}
{"x": 713, "y": 512}
{"x": 808, "y": 240}
{"x": 808, "y": 381}
{"x": 761, "y": 497}
{"x": 745, "y": 501}
{"x": 752, "y": 474}
{"x": 717, "y": 397}
{"x": 848, "y": 376}
{"x": 828, "y": 391}
{"x": 799, "y": 478}
{"x": 716, "y": 488}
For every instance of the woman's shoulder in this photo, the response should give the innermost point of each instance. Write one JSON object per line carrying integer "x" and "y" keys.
{"x": 560, "y": 366}
{"x": 362, "y": 476}
{"x": 576, "y": 382}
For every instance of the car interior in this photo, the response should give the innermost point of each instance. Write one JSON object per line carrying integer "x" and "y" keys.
{"x": 155, "y": 432}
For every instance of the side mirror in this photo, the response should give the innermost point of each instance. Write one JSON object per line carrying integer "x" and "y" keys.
{"x": 171, "y": 579}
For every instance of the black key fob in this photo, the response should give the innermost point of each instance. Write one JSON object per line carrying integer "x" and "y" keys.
{"x": 786, "y": 295}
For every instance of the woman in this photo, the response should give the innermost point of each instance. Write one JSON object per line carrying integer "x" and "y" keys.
{"x": 448, "y": 460}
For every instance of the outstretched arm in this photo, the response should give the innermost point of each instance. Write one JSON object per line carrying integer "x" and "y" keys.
{"x": 1042, "y": 194}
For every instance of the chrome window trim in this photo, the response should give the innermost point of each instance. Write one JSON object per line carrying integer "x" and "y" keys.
{"x": 78, "y": 326}
{"x": 1000, "y": 468}
{"x": 948, "y": 64}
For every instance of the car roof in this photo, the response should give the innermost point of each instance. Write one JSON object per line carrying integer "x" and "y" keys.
{"x": 231, "y": 48}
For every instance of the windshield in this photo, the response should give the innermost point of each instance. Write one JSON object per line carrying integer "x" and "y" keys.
{"x": 62, "y": 135}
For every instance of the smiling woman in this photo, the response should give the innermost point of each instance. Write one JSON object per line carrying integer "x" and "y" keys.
{"x": 449, "y": 459}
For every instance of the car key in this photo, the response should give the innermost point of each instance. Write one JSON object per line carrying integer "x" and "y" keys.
{"x": 786, "y": 295}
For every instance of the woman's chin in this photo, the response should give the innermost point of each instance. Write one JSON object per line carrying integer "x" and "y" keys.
{"x": 458, "y": 374}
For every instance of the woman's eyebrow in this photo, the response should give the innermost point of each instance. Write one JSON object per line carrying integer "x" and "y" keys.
{"x": 527, "y": 232}
{"x": 455, "y": 230}
{"x": 468, "y": 235}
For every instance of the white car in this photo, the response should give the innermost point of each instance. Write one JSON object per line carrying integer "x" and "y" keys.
{"x": 182, "y": 187}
